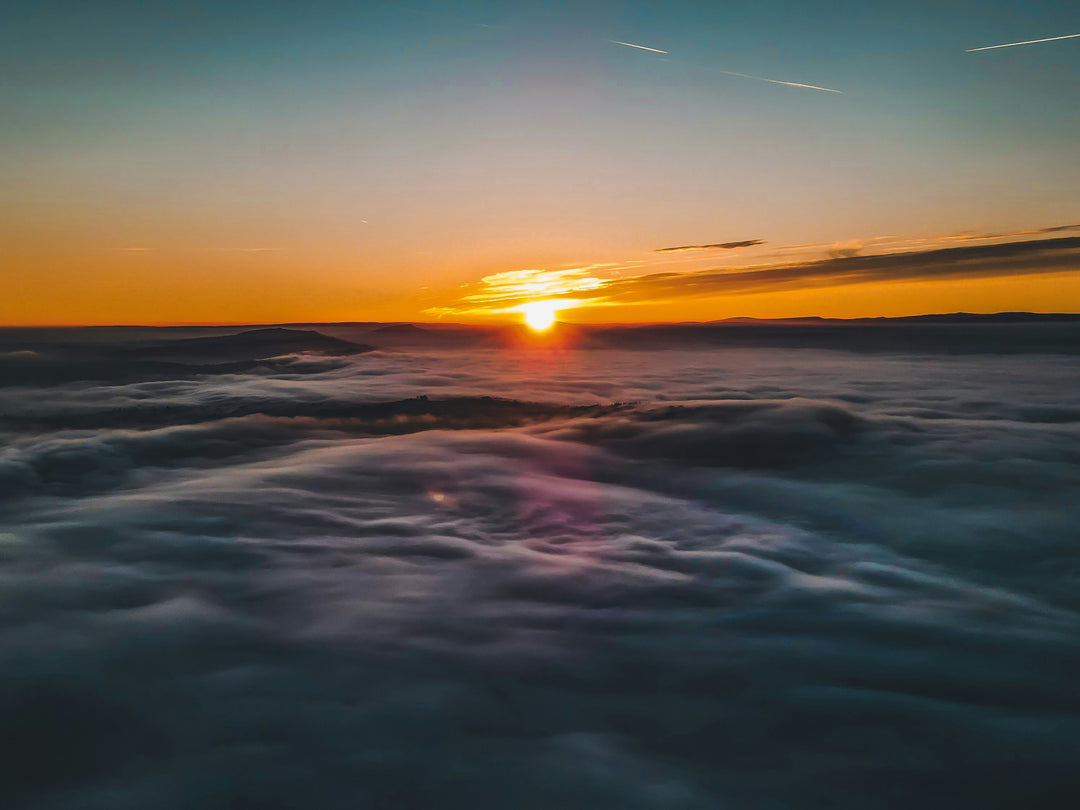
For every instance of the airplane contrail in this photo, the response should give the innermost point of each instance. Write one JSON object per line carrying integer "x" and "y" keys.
{"x": 1025, "y": 42}
{"x": 786, "y": 84}
{"x": 732, "y": 73}
{"x": 639, "y": 47}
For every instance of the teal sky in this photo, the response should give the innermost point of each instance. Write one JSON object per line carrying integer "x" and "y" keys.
{"x": 381, "y": 149}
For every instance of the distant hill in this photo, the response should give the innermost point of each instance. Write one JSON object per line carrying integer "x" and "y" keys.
{"x": 997, "y": 317}
{"x": 400, "y": 330}
{"x": 949, "y": 317}
{"x": 958, "y": 333}
{"x": 54, "y": 362}
{"x": 255, "y": 344}
{"x": 112, "y": 353}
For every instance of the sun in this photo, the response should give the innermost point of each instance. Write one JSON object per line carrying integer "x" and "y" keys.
{"x": 539, "y": 315}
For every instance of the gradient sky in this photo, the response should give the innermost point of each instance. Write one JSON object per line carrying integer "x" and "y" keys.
{"x": 276, "y": 162}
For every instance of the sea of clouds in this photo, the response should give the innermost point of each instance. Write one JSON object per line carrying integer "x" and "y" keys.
{"x": 527, "y": 579}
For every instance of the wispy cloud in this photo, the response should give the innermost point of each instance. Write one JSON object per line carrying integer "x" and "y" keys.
{"x": 1055, "y": 229}
{"x": 847, "y": 250}
{"x": 973, "y": 237}
{"x": 716, "y": 246}
{"x": 211, "y": 249}
{"x": 1028, "y": 257}
{"x": 778, "y": 81}
{"x": 246, "y": 249}
{"x": 524, "y": 284}
{"x": 889, "y": 244}
{"x": 1025, "y": 42}
{"x": 607, "y": 285}
{"x": 504, "y": 292}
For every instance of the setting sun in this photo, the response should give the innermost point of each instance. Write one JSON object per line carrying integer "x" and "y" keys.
{"x": 448, "y": 382}
{"x": 540, "y": 315}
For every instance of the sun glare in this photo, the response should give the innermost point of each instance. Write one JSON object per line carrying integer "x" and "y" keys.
{"x": 540, "y": 315}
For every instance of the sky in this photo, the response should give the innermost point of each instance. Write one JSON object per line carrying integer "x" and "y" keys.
{"x": 329, "y": 161}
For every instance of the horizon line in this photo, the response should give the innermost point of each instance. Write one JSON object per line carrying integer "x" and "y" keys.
{"x": 488, "y": 324}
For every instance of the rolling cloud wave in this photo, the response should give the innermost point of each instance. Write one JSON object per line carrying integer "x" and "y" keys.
{"x": 695, "y": 580}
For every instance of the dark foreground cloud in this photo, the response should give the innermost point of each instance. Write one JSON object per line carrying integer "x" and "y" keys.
{"x": 844, "y": 582}
{"x": 1029, "y": 257}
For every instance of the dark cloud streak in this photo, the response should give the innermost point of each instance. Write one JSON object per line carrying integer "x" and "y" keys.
{"x": 717, "y": 246}
{"x": 1031, "y": 257}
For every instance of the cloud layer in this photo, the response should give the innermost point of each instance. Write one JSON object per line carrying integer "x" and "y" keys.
{"x": 637, "y": 580}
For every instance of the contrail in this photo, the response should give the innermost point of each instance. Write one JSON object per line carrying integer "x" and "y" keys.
{"x": 786, "y": 84}
{"x": 1025, "y": 42}
{"x": 639, "y": 47}
{"x": 731, "y": 73}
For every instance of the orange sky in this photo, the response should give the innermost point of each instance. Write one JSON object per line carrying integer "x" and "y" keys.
{"x": 65, "y": 282}
{"x": 131, "y": 294}
{"x": 260, "y": 163}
